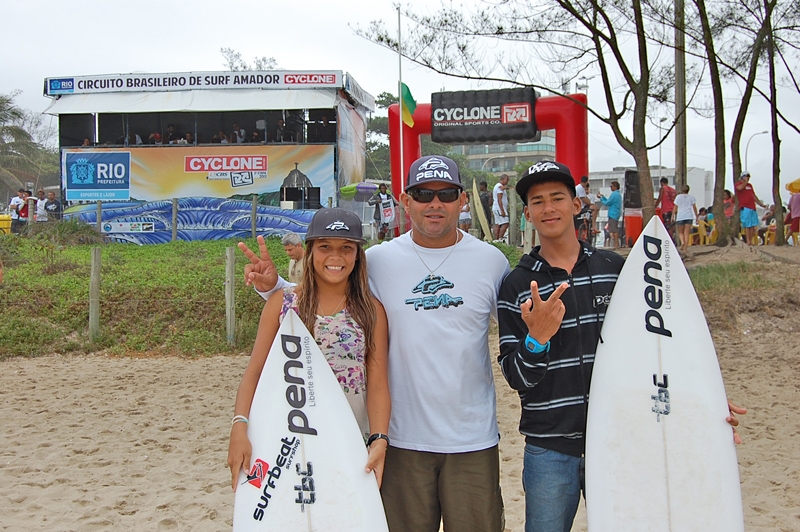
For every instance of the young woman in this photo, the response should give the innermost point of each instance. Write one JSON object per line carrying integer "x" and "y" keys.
{"x": 349, "y": 324}
{"x": 684, "y": 213}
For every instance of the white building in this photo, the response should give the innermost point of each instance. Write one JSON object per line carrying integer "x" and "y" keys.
{"x": 701, "y": 182}
{"x": 502, "y": 158}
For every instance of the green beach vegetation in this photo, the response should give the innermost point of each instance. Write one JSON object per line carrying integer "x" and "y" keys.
{"x": 169, "y": 299}
{"x": 162, "y": 299}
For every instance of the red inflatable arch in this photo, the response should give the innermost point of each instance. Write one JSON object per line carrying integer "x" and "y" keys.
{"x": 568, "y": 118}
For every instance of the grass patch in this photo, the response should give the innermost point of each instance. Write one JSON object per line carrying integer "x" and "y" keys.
{"x": 723, "y": 278}
{"x": 512, "y": 253}
{"x": 167, "y": 298}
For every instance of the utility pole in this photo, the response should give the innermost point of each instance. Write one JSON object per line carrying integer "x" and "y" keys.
{"x": 680, "y": 96}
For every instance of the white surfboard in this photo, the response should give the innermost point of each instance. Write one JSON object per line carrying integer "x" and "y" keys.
{"x": 659, "y": 453}
{"x": 480, "y": 215}
{"x": 307, "y": 468}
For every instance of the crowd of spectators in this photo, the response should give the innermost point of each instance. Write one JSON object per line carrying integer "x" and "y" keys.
{"x": 292, "y": 130}
{"x": 25, "y": 208}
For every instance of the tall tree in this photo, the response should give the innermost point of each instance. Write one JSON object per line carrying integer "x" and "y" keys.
{"x": 707, "y": 38}
{"x": 773, "y": 115}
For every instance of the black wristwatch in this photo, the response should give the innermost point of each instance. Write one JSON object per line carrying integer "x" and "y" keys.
{"x": 377, "y": 436}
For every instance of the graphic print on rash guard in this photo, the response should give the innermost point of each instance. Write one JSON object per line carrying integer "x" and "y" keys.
{"x": 429, "y": 286}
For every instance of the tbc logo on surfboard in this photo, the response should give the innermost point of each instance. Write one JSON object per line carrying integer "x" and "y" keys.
{"x": 429, "y": 286}
{"x": 661, "y": 399}
{"x": 305, "y": 490}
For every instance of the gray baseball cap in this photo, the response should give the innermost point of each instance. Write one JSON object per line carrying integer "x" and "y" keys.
{"x": 335, "y": 223}
{"x": 433, "y": 168}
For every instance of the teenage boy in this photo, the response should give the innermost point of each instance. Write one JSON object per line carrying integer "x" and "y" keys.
{"x": 547, "y": 346}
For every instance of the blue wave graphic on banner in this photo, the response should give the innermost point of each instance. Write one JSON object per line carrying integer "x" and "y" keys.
{"x": 199, "y": 218}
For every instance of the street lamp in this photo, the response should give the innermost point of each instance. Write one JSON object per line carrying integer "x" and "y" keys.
{"x": 489, "y": 159}
{"x": 747, "y": 168}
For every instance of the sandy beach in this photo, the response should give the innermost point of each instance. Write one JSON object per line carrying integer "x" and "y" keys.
{"x": 94, "y": 442}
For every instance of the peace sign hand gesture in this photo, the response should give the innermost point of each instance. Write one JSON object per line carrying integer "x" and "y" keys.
{"x": 261, "y": 271}
{"x": 543, "y": 317}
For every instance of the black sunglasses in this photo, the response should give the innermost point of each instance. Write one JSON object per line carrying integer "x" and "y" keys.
{"x": 426, "y": 195}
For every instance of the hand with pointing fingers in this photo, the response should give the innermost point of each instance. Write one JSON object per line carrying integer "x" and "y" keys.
{"x": 543, "y": 317}
{"x": 239, "y": 452}
{"x": 261, "y": 271}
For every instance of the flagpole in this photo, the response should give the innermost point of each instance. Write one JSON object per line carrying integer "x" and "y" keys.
{"x": 400, "y": 94}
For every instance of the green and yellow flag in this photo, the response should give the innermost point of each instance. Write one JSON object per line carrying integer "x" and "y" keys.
{"x": 409, "y": 105}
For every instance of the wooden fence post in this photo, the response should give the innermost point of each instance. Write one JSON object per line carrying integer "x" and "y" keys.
{"x": 230, "y": 307}
{"x": 94, "y": 295}
{"x": 174, "y": 219}
{"x": 99, "y": 216}
{"x": 529, "y": 238}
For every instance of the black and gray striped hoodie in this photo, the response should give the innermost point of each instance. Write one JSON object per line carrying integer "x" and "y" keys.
{"x": 554, "y": 386}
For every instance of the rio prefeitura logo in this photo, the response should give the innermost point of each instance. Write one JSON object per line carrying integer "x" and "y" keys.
{"x": 81, "y": 172}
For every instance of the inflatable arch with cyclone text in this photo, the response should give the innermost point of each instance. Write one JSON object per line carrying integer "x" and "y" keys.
{"x": 566, "y": 115}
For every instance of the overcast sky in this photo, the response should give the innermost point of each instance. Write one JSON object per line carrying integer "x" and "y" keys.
{"x": 52, "y": 38}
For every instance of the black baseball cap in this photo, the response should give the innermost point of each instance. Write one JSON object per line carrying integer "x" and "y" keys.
{"x": 335, "y": 223}
{"x": 544, "y": 172}
{"x": 431, "y": 169}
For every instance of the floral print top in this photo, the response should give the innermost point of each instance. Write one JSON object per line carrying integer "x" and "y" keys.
{"x": 341, "y": 340}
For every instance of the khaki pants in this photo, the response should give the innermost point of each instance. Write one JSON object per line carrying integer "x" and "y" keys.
{"x": 462, "y": 490}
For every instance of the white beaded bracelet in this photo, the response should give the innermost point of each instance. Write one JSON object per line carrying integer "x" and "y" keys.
{"x": 237, "y": 419}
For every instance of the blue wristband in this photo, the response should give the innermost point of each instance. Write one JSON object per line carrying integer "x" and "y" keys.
{"x": 535, "y": 347}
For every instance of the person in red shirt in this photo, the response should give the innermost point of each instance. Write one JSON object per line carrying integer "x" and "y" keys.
{"x": 747, "y": 207}
{"x": 666, "y": 200}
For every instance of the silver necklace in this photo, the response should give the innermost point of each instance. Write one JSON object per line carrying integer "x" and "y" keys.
{"x": 334, "y": 310}
{"x": 452, "y": 248}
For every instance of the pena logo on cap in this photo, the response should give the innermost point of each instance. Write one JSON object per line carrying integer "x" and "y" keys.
{"x": 433, "y": 168}
{"x": 338, "y": 225}
{"x": 543, "y": 166}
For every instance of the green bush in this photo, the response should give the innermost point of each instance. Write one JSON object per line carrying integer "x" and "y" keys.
{"x": 166, "y": 298}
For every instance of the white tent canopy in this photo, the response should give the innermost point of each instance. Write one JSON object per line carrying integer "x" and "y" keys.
{"x": 193, "y": 101}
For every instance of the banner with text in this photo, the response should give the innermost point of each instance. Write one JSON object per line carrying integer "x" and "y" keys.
{"x": 280, "y": 79}
{"x": 165, "y": 172}
{"x": 491, "y": 116}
